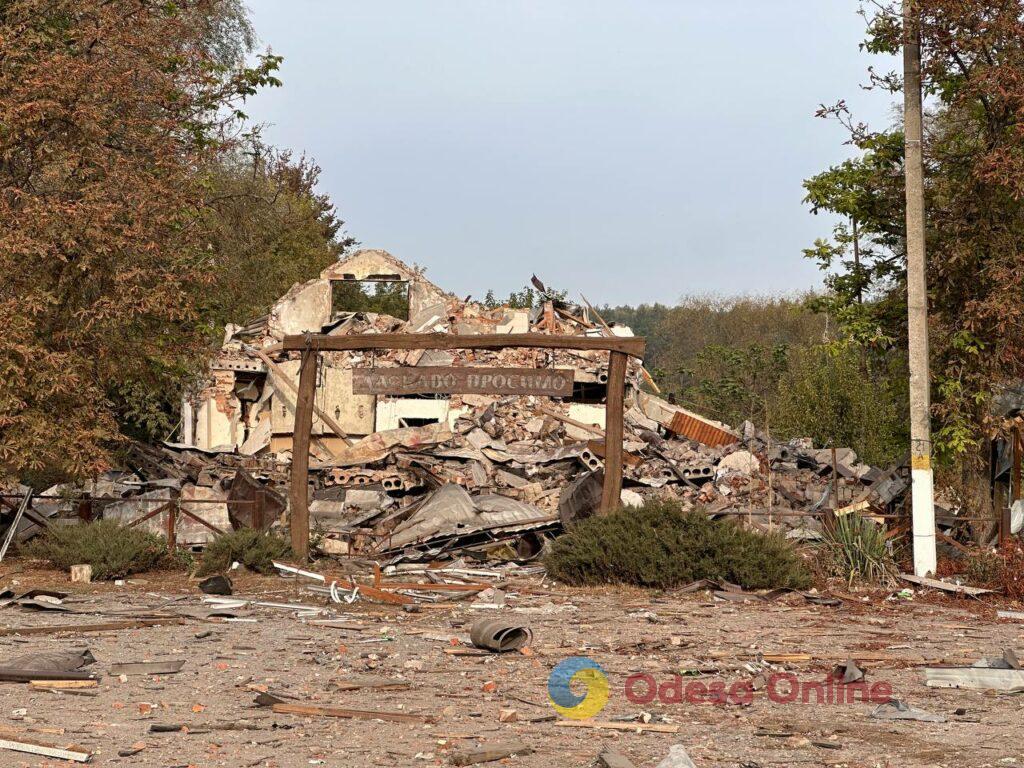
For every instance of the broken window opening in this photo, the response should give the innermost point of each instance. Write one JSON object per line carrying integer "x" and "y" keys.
{"x": 591, "y": 392}
{"x": 412, "y": 421}
{"x": 381, "y": 295}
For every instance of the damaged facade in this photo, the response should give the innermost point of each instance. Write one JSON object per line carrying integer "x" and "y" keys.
{"x": 425, "y": 472}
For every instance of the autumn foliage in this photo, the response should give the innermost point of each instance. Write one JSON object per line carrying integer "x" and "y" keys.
{"x": 110, "y": 112}
{"x": 973, "y": 65}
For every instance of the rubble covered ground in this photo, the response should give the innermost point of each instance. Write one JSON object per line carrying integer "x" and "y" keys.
{"x": 425, "y": 667}
{"x": 440, "y": 505}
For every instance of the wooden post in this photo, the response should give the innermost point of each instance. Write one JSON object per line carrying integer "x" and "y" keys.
{"x": 172, "y": 535}
{"x": 299, "y": 496}
{"x": 1005, "y": 517}
{"x": 614, "y": 404}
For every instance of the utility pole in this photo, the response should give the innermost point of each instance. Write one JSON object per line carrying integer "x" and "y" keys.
{"x": 922, "y": 484}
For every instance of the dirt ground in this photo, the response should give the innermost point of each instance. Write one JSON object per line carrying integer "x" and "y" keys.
{"x": 627, "y": 632}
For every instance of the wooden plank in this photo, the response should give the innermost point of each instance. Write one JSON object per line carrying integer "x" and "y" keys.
{"x": 169, "y": 667}
{"x": 616, "y": 726}
{"x": 628, "y": 345}
{"x": 200, "y": 520}
{"x": 79, "y": 628}
{"x": 13, "y": 529}
{"x": 299, "y": 492}
{"x": 430, "y": 587}
{"x": 61, "y": 685}
{"x": 463, "y": 380}
{"x": 595, "y": 431}
{"x": 490, "y": 753}
{"x": 958, "y": 589}
{"x": 614, "y": 404}
{"x": 358, "y": 714}
{"x": 608, "y": 329}
{"x": 78, "y": 756}
{"x": 373, "y": 593}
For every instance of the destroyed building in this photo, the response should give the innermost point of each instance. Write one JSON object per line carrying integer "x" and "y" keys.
{"x": 398, "y": 471}
{"x": 419, "y": 474}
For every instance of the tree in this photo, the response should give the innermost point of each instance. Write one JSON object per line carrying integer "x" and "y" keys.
{"x": 110, "y": 111}
{"x": 267, "y": 228}
{"x": 973, "y": 64}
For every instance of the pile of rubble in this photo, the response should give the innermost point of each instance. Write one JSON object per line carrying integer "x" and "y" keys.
{"x": 423, "y": 475}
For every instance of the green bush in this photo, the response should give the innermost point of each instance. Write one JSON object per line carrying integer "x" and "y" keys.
{"x": 112, "y": 550}
{"x": 659, "y": 545}
{"x": 858, "y": 549}
{"x": 843, "y": 397}
{"x": 254, "y": 549}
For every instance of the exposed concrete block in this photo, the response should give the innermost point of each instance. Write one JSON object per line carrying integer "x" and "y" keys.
{"x": 306, "y": 307}
{"x": 588, "y": 414}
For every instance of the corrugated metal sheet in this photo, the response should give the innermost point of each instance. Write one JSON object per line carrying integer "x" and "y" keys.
{"x": 697, "y": 429}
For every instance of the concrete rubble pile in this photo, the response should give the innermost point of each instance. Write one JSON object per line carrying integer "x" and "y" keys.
{"x": 422, "y": 475}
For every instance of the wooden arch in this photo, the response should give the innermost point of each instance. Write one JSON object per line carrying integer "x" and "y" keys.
{"x": 310, "y": 345}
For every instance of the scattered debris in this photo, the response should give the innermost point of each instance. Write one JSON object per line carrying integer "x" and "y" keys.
{"x": 216, "y": 585}
{"x": 490, "y": 753}
{"x": 900, "y": 710}
{"x": 75, "y": 754}
{"x": 500, "y": 635}
{"x": 406, "y": 477}
{"x": 170, "y": 667}
{"x": 358, "y": 714}
{"x": 617, "y": 726}
{"x": 612, "y": 758}
{"x": 958, "y": 589}
{"x": 677, "y": 758}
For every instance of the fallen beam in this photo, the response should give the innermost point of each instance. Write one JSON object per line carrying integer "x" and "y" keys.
{"x": 61, "y": 685}
{"x": 110, "y": 626}
{"x": 614, "y": 726}
{"x": 77, "y": 755}
{"x": 628, "y": 345}
{"x": 357, "y": 714}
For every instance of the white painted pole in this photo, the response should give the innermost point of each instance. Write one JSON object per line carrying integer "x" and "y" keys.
{"x": 922, "y": 484}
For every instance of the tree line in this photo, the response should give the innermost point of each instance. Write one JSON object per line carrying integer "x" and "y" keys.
{"x": 140, "y": 211}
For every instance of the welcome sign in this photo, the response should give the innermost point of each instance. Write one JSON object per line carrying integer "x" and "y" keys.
{"x": 467, "y": 381}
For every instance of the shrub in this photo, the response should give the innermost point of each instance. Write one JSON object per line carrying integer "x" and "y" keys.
{"x": 1002, "y": 570}
{"x": 660, "y": 545}
{"x": 857, "y": 549}
{"x": 112, "y": 550}
{"x": 254, "y": 549}
{"x": 839, "y": 396}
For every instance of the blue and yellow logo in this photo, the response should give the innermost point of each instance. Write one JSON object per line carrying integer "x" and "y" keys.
{"x": 580, "y": 670}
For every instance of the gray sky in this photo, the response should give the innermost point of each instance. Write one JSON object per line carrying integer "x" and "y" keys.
{"x": 635, "y": 150}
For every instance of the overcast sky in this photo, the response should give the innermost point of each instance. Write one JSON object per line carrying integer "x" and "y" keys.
{"x": 634, "y": 150}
